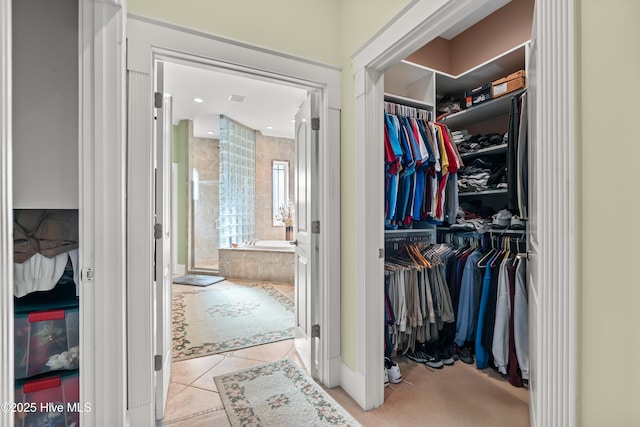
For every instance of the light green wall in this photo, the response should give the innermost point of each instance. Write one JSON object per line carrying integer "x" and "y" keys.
{"x": 305, "y": 28}
{"x": 609, "y": 206}
{"x": 329, "y": 31}
{"x": 355, "y": 31}
{"x": 179, "y": 155}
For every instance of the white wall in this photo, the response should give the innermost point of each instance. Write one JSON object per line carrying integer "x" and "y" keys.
{"x": 45, "y": 104}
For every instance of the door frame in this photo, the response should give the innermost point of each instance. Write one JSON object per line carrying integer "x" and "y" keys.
{"x": 149, "y": 39}
{"x": 101, "y": 206}
{"x": 418, "y": 23}
{"x": 6, "y": 214}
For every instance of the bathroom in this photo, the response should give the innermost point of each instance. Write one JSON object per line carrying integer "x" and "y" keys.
{"x": 233, "y": 174}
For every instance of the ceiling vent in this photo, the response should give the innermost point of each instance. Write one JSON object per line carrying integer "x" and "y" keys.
{"x": 236, "y": 98}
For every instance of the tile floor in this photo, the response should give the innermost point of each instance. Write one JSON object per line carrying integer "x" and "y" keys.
{"x": 192, "y": 389}
{"x": 455, "y": 396}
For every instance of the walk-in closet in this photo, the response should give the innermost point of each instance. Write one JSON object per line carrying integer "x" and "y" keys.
{"x": 455, "y": 216}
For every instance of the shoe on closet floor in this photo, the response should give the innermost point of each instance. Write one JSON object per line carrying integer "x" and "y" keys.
{"x": 464, "y": 354}
{"x": 386, "y": 378}
{"x": 432, "y": 356}
{"x": 416, "y": 354}
{"x": 446, "y": 353}
{"x": 393, "y": 371}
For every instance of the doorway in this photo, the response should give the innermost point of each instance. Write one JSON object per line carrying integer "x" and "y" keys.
{"x": 370, "y": 63}
{"x": 148, "y": 39}
{"x": 230, "y": 193}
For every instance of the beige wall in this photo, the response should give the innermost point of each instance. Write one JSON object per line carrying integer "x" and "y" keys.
{"x": 269, "y": 149}
{"x": 204, "y": 156}
{"x": 608, "y": 208}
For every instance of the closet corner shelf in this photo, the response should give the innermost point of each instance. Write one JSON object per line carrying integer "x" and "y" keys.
{"x": 489, "y": 109}
{"x": 410, "y": 102}
{"x": 496, "y": 149}
{"x": 482, "y": 193}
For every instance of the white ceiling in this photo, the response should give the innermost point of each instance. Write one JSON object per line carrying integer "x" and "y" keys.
{"x": 265, "y": 103}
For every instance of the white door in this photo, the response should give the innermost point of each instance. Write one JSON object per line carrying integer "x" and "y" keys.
{"x": 163, "y": 282}
{"x": 533, "y": 244}
{"x": 306, "y": 262}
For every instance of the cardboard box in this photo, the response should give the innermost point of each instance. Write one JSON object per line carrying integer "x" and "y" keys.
{"x": 478, "y": 95}
{"x": 508, "y": 84}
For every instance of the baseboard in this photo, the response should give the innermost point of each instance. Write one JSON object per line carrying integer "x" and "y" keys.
{"x": 179, "y": 269}
{"x": 335, "y": 372}
{"x": 354, "y": 384}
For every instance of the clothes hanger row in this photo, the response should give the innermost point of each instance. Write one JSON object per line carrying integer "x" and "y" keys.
{"x": 406, "y": 111}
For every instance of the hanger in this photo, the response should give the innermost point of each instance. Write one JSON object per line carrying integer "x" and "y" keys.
{"x": 485, "y": 259}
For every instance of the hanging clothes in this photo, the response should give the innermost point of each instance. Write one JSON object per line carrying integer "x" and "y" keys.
{"x": 421, "y": 162}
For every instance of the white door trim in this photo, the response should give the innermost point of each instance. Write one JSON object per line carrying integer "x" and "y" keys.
{"x": 148, "y": 39}
{"x": 102, "y": 212}
{"x": 6, "y": 216}
{"x": 420, "y": 22}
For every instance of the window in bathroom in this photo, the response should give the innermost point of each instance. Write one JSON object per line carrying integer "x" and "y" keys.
{"x": 237, "y": 183}
{"x": 280, "y": 172}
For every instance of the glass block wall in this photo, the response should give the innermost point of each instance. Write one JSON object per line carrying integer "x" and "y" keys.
{"x": 237, "y": 183}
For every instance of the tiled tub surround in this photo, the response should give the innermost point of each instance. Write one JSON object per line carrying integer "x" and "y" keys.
{"x": 271, "y": 260}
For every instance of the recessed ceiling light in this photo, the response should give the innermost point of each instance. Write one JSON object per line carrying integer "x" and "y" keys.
{"x": 236, "y": 98}
{"x": 210, "y": 132}
{"x": 269, "y": 127}
{"x": 293, "y": 120}
{"x": 198, "y": 100}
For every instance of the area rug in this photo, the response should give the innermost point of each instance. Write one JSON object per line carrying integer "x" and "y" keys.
{"x": 197, "y": 280}
{"x": 229, "y": 316}
{"x": 278, "y": 394}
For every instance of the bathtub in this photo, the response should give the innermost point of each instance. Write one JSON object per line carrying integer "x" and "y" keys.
{"x": 268, "y": 245}
{"x": 271, "y": 260}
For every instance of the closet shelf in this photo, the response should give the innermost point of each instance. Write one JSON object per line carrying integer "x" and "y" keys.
{"x": 481, "y": 112}
{"x": 483, "y": 193}
{"x": 408, "y": 232}
{"x": 410, "y": 102}
{"x": 497, "y": 149}
{"x": 494, "y": 231}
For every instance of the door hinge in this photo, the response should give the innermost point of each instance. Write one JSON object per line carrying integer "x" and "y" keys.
{"x": 315, "y": 123}
{"x": 157, "y": 362}
{"x": 381, "y": 253}
{"x": 315, "y": 227}
{"x": 315, "y": 331}
{"x": 157, "y": 231}
{"x": 157, "y": 100}
{"x": 87, "y": 274}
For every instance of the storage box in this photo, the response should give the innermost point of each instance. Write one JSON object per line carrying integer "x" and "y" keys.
{"x": 508, "y": 84}
{"x": 46, "y": 341}
{"x": 51, "y": 401}
{"x": 478, "y": 95}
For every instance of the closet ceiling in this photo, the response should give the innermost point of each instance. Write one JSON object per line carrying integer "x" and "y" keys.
{"x": 265, "y": 104}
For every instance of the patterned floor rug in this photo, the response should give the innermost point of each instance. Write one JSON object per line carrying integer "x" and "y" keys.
{"x": 278, "y": 394}
{"x": 229, "y": 316}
